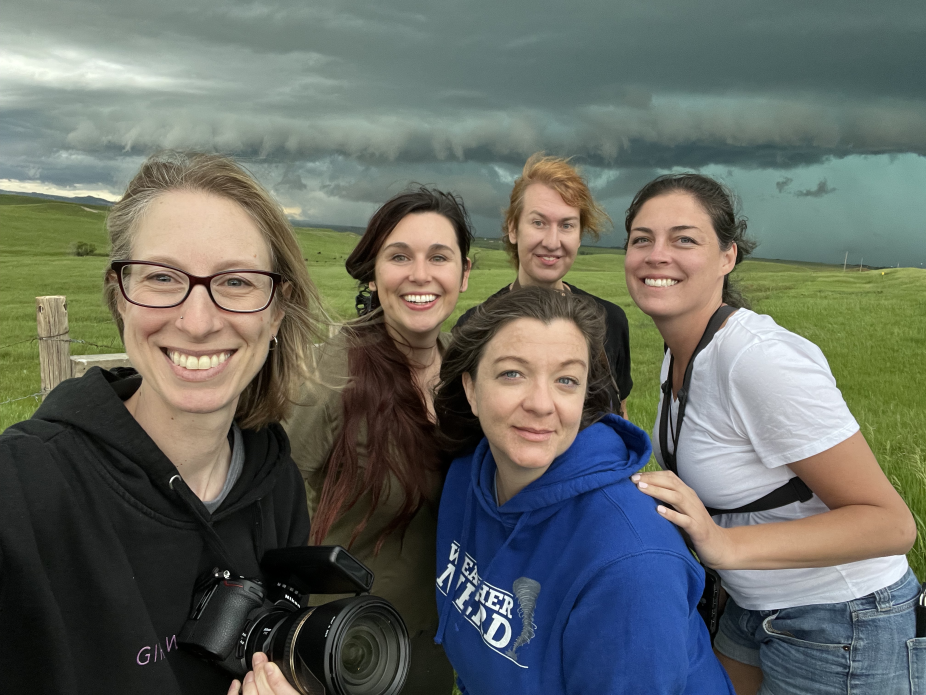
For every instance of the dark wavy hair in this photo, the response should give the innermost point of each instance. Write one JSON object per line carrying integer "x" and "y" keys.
{"x": 721, "y": 206}
{"x": 382, "y": 402}
{"x": 459, "y": 429}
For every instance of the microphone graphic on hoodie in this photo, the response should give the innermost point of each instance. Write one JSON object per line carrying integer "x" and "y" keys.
{"x": 526, "y": 591}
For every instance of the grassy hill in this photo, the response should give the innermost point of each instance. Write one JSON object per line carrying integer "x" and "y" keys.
{"x": 870, "y": 325}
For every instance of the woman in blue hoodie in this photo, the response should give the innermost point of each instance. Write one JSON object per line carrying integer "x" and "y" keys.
{"x": 553, "y": 576}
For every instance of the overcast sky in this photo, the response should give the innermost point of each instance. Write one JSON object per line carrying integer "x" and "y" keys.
{"x": 815, "y": 113}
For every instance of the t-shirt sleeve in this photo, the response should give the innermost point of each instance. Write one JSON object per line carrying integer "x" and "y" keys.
{"x": 784, "y": 399}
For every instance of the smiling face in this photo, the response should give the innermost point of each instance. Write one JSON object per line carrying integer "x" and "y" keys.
{"x": 419, "y": 275}
{"x": 674, "y": 265}
{"x": 548, "y": 236}
{"x": 197, "y": 358}
{"x": 528, "y": 394}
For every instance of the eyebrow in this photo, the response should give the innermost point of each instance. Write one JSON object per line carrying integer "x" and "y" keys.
{"x": 571, "y": 218}
{"x": 677, "y": 228}
{"x": 521, "y": 360}
{"x": 233, "y": 264}
{"x": 433, "y": 247}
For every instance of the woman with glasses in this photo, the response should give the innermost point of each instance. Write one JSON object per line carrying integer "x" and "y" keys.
{"x": 126, "y": 487}
{"x": 363, "y": 433}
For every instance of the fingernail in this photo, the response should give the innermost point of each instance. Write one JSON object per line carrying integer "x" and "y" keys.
{"x": 661, "y": 509}
{"x": 249, "y": 678}
{"x": 642, "y": 485}
{"x": 635, "y": 477}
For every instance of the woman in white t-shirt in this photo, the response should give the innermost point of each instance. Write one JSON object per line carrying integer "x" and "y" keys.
{"x": 821, "y": 599}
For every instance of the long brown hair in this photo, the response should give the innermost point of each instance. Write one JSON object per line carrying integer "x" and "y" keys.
{"x": 381, "y": 402}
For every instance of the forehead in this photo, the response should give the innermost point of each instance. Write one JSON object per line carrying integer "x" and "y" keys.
{"x": 672, "y": 210}
{"x": 538, "y": 343}
{"x": 194, "y": 228}
{"x": 539, "y": 197}
{"x": 422, "y": 230}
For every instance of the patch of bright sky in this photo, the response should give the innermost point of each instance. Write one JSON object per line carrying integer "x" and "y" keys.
{"x": 875, "y": 212}
{"x": 50, "y": 189}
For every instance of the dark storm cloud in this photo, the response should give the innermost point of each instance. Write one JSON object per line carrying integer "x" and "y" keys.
{"x": 342, "y": 103}
{"x": 640, "y": 84}
{"x": 783, "y": 184}
{"x": 821, "y": 190}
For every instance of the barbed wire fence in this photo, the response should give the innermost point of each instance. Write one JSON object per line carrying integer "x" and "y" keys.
{"x": 53, "y": 339}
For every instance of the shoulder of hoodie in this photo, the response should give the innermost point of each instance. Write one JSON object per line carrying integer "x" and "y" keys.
{"x": 617, "y": 517}
{"x": 625, "y": 523}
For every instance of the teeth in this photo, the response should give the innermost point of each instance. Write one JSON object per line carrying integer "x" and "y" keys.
{"x": 420, "y": 298}
{"x": 192, "y": 362}
{"x": 659, "y": 282}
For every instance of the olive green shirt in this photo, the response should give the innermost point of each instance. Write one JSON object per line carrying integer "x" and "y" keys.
{"x": 404, "y": 568}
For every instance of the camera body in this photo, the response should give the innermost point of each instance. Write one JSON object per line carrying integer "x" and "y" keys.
{"x": 351, "y": 646}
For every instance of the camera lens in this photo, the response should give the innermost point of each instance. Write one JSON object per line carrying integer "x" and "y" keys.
{"x": 365, "y": 653}
{"x": 359, "y": 653}
{"x": 353, "y": 646}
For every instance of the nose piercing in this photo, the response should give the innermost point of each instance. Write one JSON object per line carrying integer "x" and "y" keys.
{"x": 181, "y": 318}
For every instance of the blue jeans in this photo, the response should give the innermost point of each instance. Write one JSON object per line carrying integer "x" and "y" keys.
{"x": 860, "y": 647}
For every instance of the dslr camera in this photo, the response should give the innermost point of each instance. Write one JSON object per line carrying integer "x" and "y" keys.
{"x": 350, "y": 646}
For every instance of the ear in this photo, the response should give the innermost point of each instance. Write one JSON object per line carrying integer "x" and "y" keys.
{"x": 372, "y": 285}
{"x": 286, "y": 289}
{"x": 728, "y": 259}
{"x": 467, "y": 267}
{"x": 512, "y": 233}
{"x": 470, "y": 388}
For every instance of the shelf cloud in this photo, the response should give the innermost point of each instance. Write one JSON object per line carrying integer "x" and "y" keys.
{"x": 337, "y": 103}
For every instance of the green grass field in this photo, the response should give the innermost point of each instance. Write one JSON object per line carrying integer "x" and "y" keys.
{"x": 870, "y": 325}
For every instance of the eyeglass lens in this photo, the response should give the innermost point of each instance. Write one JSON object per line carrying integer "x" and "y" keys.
{"x": 156, "y": 286}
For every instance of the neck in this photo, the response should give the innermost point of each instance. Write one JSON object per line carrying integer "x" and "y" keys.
{"x": 525, "y": 280}
{"x": 683, "y": 333}
{"x": 510, "y": 482}
{"x": 421, "y": 349}
{"x": 196, "y": 443}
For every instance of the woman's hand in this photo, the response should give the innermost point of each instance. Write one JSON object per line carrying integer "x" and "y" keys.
{"x": 265, "y": 679}
{"x": 689, "y": 514}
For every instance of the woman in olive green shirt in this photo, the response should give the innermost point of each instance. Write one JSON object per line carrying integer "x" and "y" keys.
{"x": 363, "y": 433}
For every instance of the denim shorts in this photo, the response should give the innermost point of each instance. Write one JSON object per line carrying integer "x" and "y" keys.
{"x": 863, "y": 647}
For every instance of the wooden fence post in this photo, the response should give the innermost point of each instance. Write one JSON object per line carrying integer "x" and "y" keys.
{"x": 51, "y": 317}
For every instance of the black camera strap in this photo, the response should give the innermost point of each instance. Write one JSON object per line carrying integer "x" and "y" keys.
{"x": 795, "y": 490}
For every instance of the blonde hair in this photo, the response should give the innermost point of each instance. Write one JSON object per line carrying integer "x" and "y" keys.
{"x": 269, "y": 395}
{"x": 562, "y": 177}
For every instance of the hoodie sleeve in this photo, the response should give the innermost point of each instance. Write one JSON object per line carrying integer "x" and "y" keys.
{"x": 634, "y": 629}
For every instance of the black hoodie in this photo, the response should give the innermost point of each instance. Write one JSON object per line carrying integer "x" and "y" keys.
{"x": 99, "y": 554}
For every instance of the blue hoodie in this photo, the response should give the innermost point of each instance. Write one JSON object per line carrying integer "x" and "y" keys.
{"x": 574, "y": 585}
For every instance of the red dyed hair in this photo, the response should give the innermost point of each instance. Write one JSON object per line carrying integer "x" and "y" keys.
{"x": 562, "y": 177}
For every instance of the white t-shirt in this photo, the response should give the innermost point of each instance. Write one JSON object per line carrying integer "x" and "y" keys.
{"x": 762, "y": 397}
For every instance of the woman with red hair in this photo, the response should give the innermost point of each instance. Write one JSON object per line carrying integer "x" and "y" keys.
{"x": 550, "y": 210}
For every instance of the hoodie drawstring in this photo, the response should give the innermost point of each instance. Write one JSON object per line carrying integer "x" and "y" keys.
{"x": 178, "y": 485}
